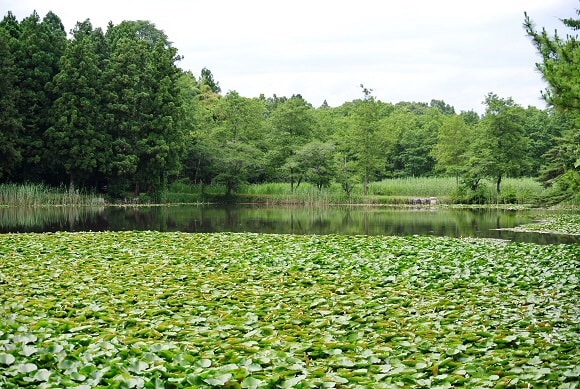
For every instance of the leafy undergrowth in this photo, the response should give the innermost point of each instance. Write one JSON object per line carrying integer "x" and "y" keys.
{"x": 169, "y": 310}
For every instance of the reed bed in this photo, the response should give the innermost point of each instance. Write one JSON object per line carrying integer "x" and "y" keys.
{"x": 414, "y": 187}
{"x": 395, "y": 188}
{"x": 398, "y": 191}
{"x": 388, "y": 191}
{"x": 28, "y": 195}
{"x": 305, "y": 194}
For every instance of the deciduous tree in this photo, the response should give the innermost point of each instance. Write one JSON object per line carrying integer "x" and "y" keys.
{"x": 501, "y": 144}
{"x": 452, "y": 149}
{"x": 365, "y": 139}
{"x": 315, "y": 163}
{"x": 235, "y": 140}
{"x": 292, "y": 124}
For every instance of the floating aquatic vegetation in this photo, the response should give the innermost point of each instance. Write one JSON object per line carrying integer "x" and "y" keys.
{"x": 156, "y": 310}
{"x": 568, "y": 224}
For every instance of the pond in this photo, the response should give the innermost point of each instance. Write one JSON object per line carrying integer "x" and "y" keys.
{"x": 484, "y": 223}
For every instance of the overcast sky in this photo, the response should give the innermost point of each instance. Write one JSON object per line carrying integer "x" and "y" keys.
{"x": 405, "y": 50}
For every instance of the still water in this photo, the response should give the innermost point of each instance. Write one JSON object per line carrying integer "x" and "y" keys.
{"x": 486, "y": 223}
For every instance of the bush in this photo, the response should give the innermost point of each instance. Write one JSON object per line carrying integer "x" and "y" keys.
{"x": 509, "y": 196}
{"x": 466, "y": 195}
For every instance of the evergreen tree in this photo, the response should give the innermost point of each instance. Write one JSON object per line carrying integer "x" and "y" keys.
{"x": 41, "y": 44}
{"x": 207, "y": 81}
{"x": 11, "y": 25}
{"x": 145, "y": 105}
{"x": 78, "y": 142}
{"x": 560, "y": 64}
{"x": 560, "y": 67}
{"x": 442, "y": 106}
{"x": 10, "y": 123}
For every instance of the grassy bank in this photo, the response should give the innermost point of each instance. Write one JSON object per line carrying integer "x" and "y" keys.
{"x": 26, "y": 195}
{"x": 391, "y": 191}
{"x": 147, "y": 309}
{"x": 399, "y": 191}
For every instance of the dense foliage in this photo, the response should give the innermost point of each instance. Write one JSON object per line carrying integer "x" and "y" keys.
{"x": 111, "y": 111}
{"x": 560, "y": 67}
{"x": 169, "y": 310}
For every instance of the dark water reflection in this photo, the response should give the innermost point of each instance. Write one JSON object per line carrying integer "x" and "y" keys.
{"x": 282, "y": 220}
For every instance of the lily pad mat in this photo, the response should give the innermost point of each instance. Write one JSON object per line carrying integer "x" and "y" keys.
{"x": 163, "y": 310}
{"x": 567, "y": 224}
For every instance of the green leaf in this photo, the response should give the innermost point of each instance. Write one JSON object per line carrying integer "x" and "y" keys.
{"x": 218, "y": 380}
{"x": 575, "y": 372}
{"x": 27, "y": 367}
{"x": 434, "y": 325}
{"x": 205, "y": 363}
{"x": 252, "y": 383}
{"x": 535, "y": 361}
{"x": 292, "y": 382}
{"x": 42, "y": 375}
{"x": 7, "y": 359}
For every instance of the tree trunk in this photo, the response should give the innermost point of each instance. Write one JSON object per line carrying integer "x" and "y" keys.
{"x": 366, "y": 183}
{"x": 196, "y": 172}
{"x": 71, "y": 183}
{"x": 498, "y": 184}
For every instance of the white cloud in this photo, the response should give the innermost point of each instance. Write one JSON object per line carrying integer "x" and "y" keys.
{"x": 406, "y": 50}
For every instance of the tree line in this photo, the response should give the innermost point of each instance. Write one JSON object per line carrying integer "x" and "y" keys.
{"x": 112, "y": 111}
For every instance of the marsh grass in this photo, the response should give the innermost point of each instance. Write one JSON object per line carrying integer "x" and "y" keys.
{"x": 395, "y": 191}
{"x": 28, "y": 195}
{"x": 414, "y": 187}
{"x": 303, "y": 194}
{"x": 391, "y": 191}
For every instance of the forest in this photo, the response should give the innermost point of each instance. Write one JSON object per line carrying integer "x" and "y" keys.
{"x": 110, "y": 111}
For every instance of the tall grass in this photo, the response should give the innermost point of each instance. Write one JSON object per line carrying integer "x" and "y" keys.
{"x": 414, "y": 187}
{"x": 388, "y": 191}
{"x": 26, "y": 195}
{"x": 305, "y": 193}
{"x": 397, "y": 191}
{"x": 516, "y": 191}
{"x": 391, "y": 191}
{"x": 513, "y": 191}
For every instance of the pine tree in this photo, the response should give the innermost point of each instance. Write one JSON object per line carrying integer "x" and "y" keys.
{"x": 560, "y": 67}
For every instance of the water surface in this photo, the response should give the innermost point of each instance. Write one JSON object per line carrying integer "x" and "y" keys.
{"x": 485, "y": 223}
